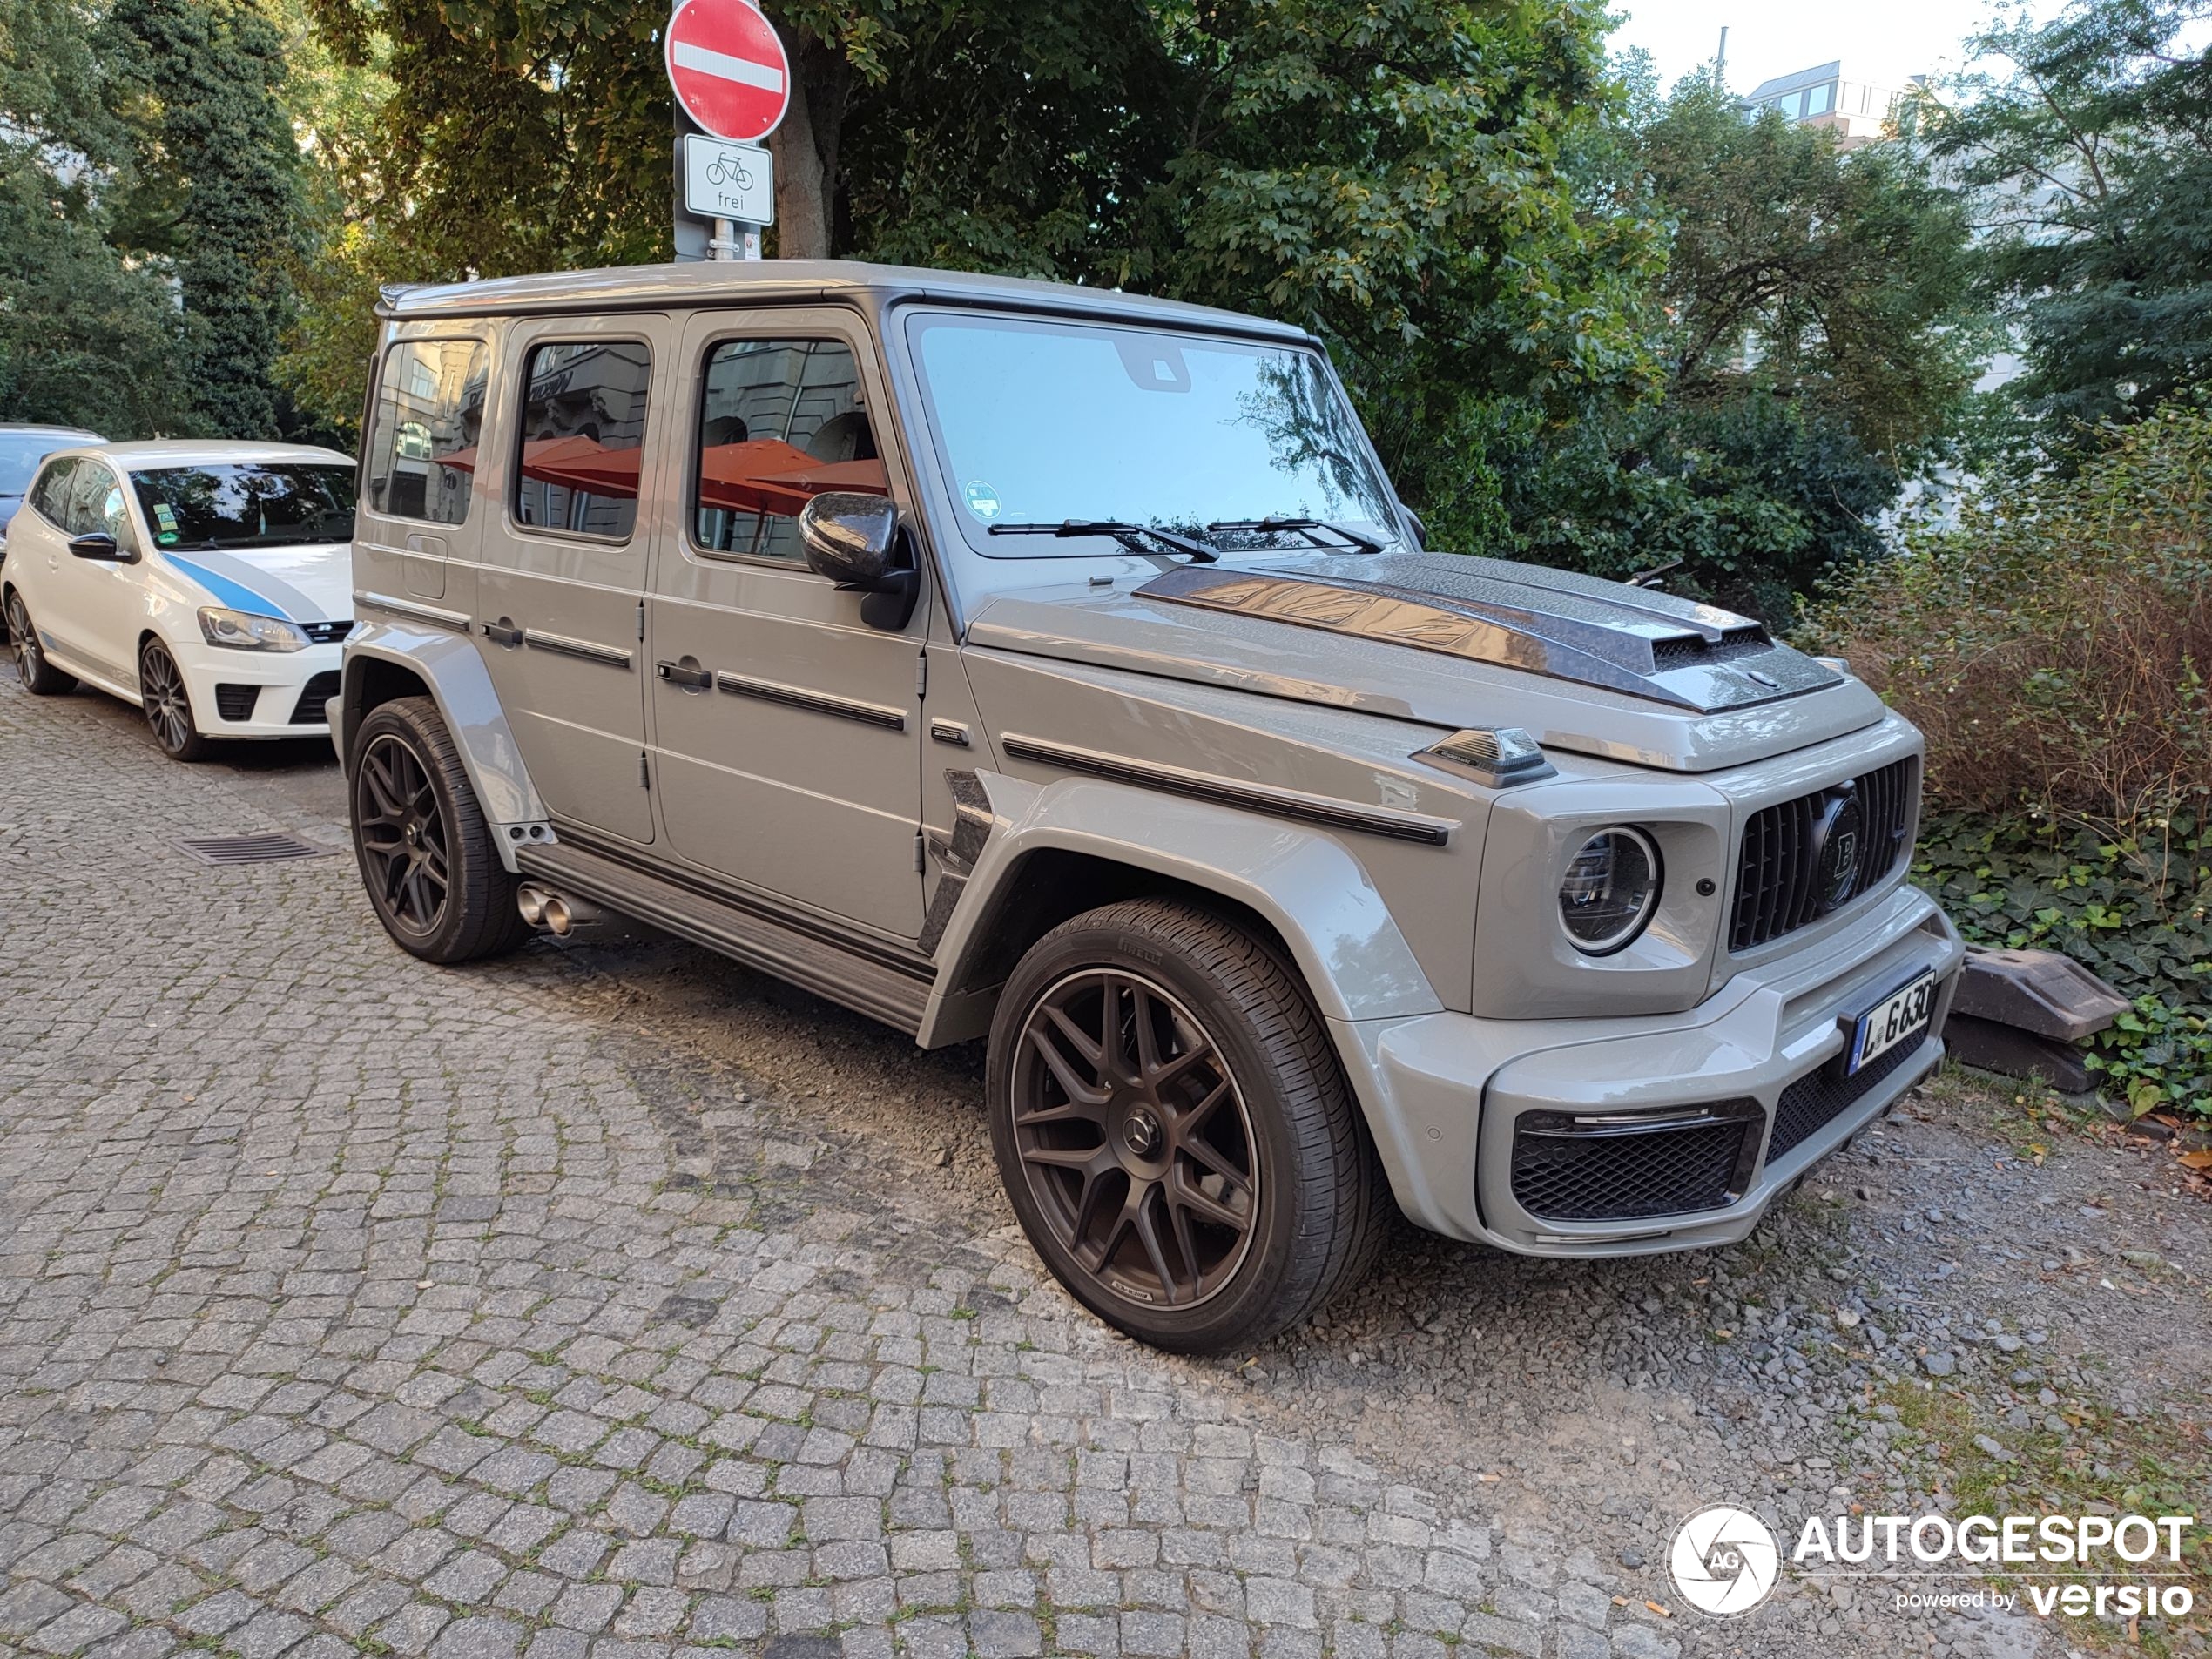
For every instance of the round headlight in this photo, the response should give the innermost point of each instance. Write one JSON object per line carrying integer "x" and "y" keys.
{"x": 1612, "y": 887}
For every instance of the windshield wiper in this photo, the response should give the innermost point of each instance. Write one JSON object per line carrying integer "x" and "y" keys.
{"x": 1121, "y": 530}
{"x": 1306, "y": 527}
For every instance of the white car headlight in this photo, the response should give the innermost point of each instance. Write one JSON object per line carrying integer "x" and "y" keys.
{"x": 1612, "y": 887}
{"x": 243, "y": 630}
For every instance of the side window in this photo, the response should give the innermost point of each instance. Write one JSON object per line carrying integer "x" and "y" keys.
{"x": 50, "y": 496}
{"x": 423, "y": 437}
{"x": 582, "y": 429}
{"x": 780, "y": 421}
{"x": 89, "y": 495}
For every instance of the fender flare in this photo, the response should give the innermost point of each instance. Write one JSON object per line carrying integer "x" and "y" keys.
{"x": 1307, "y": 884}
{"x": 461, "y": 686}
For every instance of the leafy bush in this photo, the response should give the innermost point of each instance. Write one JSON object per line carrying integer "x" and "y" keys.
{"x": 2055, "y": 645}
{"x": 2137, "y": 912}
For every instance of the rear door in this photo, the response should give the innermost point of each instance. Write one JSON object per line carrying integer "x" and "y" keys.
{"x": 786, "y": 730}
{"x": 561, "y": 589}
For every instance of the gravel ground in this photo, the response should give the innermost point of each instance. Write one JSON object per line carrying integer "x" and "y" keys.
{"x": 1943, "y": 1314}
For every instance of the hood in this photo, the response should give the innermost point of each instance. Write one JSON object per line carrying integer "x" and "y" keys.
{"x": 1587, "y": 666}
{"x": 310, "y": 583}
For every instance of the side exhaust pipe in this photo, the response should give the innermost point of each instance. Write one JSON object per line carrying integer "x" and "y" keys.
{"x": 556, "y": 912}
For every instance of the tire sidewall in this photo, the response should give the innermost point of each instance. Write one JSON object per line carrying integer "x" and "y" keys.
{"x": 394, "y": 720}
{"x": 1251, "y": 1298}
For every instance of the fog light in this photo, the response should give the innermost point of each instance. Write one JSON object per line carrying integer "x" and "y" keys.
{"x": 1611, "y": 890}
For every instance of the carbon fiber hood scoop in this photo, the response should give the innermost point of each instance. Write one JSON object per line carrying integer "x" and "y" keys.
{"x": 1553, "y": 623}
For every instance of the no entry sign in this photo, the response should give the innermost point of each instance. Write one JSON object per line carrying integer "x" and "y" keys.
{"x": 728, "y": 68}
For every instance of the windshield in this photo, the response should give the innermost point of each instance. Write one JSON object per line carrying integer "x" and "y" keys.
{"x": 247, "y": 504}
{"x": 1038, "y": 422}
{"x": 21, "y": 452}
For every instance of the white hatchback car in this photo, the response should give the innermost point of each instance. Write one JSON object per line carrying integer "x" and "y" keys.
{"x": 210, "y": 583}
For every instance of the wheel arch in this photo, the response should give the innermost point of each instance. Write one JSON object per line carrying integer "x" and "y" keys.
{"x": 385, "y": 662}
{"x": 1055, "y": 852}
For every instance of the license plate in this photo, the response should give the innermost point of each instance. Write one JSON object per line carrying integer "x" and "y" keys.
{"x": 1904, "y": 1013}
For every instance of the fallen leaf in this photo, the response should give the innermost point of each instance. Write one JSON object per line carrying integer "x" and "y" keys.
{"x": 2197, "y": 1160}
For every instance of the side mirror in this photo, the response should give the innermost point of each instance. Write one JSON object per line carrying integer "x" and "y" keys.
{"x": 98, "y": 545}
{"x": 854, "y": 540}
{"x": 848, "y": 536}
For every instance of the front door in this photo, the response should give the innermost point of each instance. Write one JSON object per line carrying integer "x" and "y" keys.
{"x": 560, "y": 589}
{"x": 93, "y": 607}
{"x": 786, "y": 730}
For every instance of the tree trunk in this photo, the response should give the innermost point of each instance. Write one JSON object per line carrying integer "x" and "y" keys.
{"x": 806, "y": 146}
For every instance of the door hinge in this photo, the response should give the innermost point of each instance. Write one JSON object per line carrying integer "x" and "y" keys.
{"x": 645, "y": 771}
{"x": 919, "y": 865}
{"x": 640, "y": 619}
{"x": 921, "y": 676}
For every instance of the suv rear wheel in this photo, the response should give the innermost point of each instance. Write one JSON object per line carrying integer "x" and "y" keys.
{"x": 1173, "y": 1130}
{"x": 426, "y": 854}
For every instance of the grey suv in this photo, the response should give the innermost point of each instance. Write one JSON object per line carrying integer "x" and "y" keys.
{"x": 1059, "y": 668}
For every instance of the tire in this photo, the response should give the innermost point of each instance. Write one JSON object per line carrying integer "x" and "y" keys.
{"x": 427, "y": 859}
{"x": 166, "y": 700}
{"x": 1194, "y": 1170}
{"x": 39, "y": 677}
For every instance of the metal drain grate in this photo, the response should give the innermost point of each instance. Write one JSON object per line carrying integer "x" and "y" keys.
{"x": 252, "y": 849}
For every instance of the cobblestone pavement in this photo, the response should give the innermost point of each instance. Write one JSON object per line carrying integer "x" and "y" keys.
{"x": 353, "y": 1305}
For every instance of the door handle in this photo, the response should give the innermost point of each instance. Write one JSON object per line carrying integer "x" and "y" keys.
{"x": 503, "y": 632}
{"x": 687, "y": 674}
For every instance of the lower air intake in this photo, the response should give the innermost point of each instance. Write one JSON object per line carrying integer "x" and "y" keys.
{"x": 1569, "y": 1167}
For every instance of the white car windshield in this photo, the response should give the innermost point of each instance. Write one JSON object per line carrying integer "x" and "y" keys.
{"x": 247, "y": 504}
{"x": 1039, "y": 422}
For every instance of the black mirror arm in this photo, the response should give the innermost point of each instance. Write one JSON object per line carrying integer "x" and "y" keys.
{"x": 891, "y": 597}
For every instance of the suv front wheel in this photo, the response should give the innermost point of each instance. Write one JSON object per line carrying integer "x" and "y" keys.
{"x": 426, "y": 853}
{"x": 1173, "y": 1130}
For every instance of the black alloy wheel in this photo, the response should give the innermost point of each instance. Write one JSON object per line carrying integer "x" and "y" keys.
{"x": 1174, "y": 1131}
{"x": 39, "y": 677}
{"x": 427, "y": 857}
{"x": 401, "y": 832}
{"x": 1134, "y": 1138}
{"x": 167, "y": 705}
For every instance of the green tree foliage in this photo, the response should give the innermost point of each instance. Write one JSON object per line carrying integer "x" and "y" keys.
{"x": 1819, "y": 349}
{"x": 2090, "y": 142}
{"x": 85, "y": 338}
{"x": 216, "y": 191}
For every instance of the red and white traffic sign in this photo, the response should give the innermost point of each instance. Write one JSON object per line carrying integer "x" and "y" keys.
{"x": 728, "y": 68}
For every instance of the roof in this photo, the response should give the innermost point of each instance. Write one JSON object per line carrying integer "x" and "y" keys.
{"x": 187, "y": 452}
{"x": 757, "y": 281}
{"x": 34, "y": 429}
{"x": 1799, "y": 80}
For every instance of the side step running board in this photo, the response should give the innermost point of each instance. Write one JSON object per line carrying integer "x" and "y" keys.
{"x": 828, "y": 970}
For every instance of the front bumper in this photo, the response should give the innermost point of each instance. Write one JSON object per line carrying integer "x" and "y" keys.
{"x": 279, "y": 694}
{"x": 1448, "y": 1096}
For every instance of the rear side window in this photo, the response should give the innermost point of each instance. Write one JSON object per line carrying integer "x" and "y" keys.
{"x": 50, "y": 495}
{"x": 422, "y": 450}
{"x": 780, "y": 421}
{"x": 583, "y": 426}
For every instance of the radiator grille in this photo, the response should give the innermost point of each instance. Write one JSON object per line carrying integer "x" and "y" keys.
{"x": 1778, "y": 878}
{"x": 326, "y": 633}
{"x": 1816, "y": 1100}
{"x": 1561, "y": 1172}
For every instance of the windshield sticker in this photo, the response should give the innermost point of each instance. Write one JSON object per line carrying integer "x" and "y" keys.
{"x": 164, "y": 516}
{"x": 982, "y": 499}
{"x": 168, "y": 538}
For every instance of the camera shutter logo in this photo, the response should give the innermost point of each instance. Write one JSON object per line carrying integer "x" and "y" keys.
{"x": 1725, "y": 1561}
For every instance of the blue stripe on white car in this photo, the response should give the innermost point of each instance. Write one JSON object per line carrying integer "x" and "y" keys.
{"x": 240, "y": 586}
